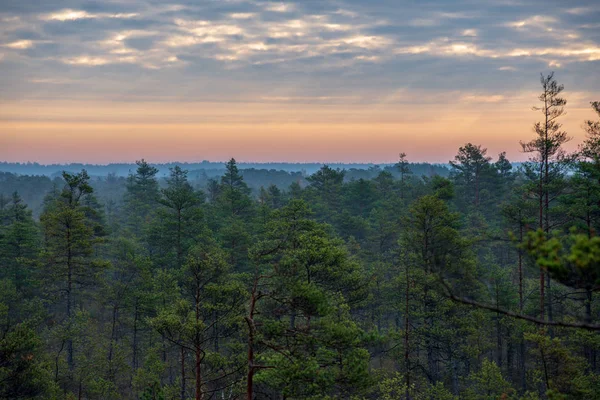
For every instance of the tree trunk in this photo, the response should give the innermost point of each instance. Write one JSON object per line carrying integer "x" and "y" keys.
{"x": 182, "y": 373}
{"x": 250, "y": 377}
{"x": 455, "y": 388}
{"x": 69, "y": 299}
{"x": 251, "y": 328}
{"x": 498, "y": 331}
{"x": 542, "y": 284}
{"x": 590, "y": 351}
{"x": 522, "y": 351}
{"x": 477, "y": 189}
{"x": 198, "y": 374}
{"x": 549, "y": 301}
{"x": 134, "y": 351}
{"x": 406, "y": 334}
{"x": 520, "y": 268}
{"x": 112, "y": 341}
{"x": 198, "y": 344}
{"x": 179, "y": 247}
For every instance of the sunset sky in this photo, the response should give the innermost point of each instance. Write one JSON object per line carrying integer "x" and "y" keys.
{"x": 312, "y": 80}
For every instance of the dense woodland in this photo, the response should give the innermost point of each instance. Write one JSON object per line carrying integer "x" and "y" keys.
{"x": 110, "y": 181}
{"x": 478, "y": 285}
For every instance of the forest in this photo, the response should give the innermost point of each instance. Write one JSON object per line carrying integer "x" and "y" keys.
{"x": 401, "y": 283}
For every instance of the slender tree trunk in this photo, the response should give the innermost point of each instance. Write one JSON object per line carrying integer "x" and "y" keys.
{"x": 454, "y": 364}
{"x": 547, "y": 208}
{"x": 477, "y": 189}
{"x": 522, "y": 351}
{"x": 250, "y": 378}
{"x": 407, "y": 333}
{"x": 179, "y": 247}
{"x": 135, "y": 337}
{"x": 112, "y": 341}
{"x": 590, "y": 352}
{"x": 520, "y": 268}
{"x": 542, "y": 272}
{"x": 402, "y": 191}
{"x": 198, "y": 344}
{"x": 251, "y": 328}
{"x": 215, "y": 331}
{"x": 498, "y": 332}
{"x": 522, "y": 362}
{"x": 182, "y": 373}
{"x": 69, "y": 299}
{"x": 550, "y": 305}
{"x": 509, "y": 354}
{"x": 198, "y": 373}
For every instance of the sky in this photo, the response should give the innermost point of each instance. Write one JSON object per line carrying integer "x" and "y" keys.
{"x": 298, "y": 81}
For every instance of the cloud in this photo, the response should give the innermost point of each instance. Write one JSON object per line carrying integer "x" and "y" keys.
{"x": 537, "y": 21}
{"x": 51, "y": 81}
{"x": 444, "y": 47}
{"x": 20, "y": 44}
{"x": 575, "y": 52}
{"x": 242, "y": 15}
{"x": 279, "y": 7}
{"x": 469, "y": 32}
{"x": 86, "y": 61}
{"x": 332, "y": 48}
{"x": 72, "y": 15}
{"x": 66, "y": 15}
{"x": 582, "y": 10}
{"x": 482, "y": 98}
{"x": 236, "y": 38}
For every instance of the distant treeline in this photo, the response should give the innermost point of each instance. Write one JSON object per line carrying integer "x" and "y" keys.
{"x": 211, "y": 168}
{"x": 33, "y": 180}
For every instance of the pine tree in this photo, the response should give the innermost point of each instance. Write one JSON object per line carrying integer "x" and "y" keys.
{"x": 236, "y": 210}
{"x": 306, "y": 279}
{"x": 591, "y": 144}
{"x": 210, "y": 309}
{"x": 70, "y": 232}
{"x": 20, "y": 243}
{"x": 471, "y": 163}
{"x": 141, "y": 197}
{"x": 404, "y": 169}
{"x": 547, "y": 163}
{"x": 234, "y": 190}
{"x": 177, "y": 222}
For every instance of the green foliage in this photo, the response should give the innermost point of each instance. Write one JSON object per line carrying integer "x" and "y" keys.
{"x": 141, "y": 197}
{"x": 23, "y": 373}
{"x": 488, "y": 383}
{"x": 573, "y": 261}
{"x": 177, "y": 222}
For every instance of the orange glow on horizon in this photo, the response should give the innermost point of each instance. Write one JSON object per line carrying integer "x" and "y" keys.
{"x": 100, "y": 132}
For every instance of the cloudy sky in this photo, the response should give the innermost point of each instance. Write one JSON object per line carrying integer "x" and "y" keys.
{"x": 311, "y": 80}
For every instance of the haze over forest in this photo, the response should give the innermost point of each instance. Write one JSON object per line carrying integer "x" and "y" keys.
{"x": 398, "y": 200}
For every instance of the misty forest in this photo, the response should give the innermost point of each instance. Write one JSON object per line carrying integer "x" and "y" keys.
{"x": 476, "y": 279}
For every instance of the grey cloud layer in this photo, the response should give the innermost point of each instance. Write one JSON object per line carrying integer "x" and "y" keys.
{"x": 353, "y": 45}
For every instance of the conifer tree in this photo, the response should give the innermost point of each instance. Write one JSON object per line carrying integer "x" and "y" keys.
{"x": 178, "y": 221}
{"x": 70, "y": 232}
{"x": 470, "y": 163}
{"x": 141, "y": 197}
{"x": 404, "y": 169}
{"x": 546, "y": 167}
{"x": 19, "y": 246}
